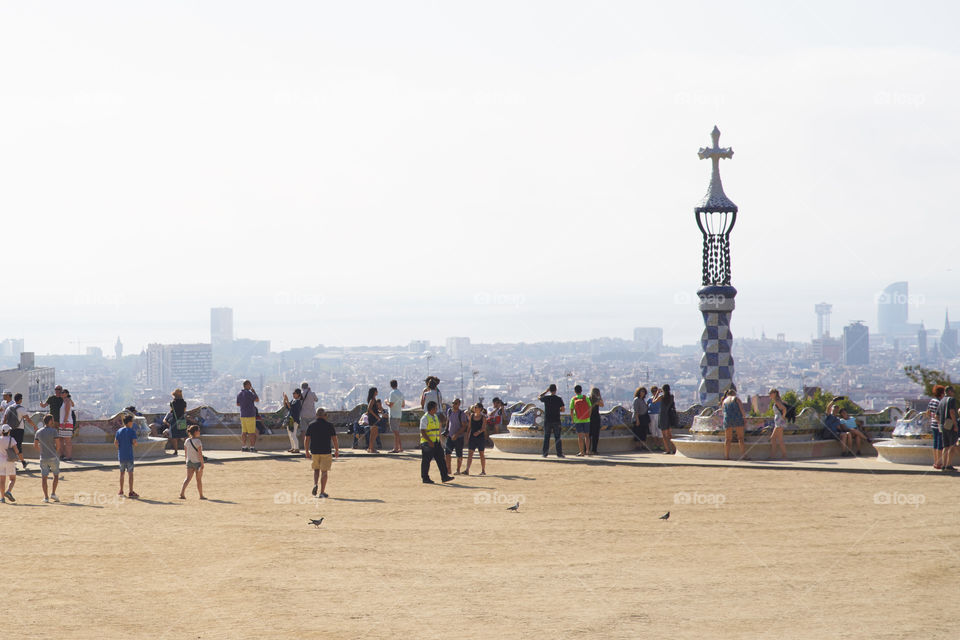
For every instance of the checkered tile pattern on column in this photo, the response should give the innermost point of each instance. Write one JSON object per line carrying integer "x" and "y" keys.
{"x": 716, "y": 365}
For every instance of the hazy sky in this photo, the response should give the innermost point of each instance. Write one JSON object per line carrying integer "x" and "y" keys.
{"x": 373, "y": 172}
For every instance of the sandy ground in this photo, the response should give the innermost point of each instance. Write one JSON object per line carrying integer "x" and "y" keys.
{"x": 745, "y": 553}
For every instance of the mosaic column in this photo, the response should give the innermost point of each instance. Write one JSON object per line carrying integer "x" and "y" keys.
{"x": 716, "y": 365}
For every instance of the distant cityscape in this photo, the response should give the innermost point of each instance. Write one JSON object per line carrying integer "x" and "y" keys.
{"x": 867, "y": 366}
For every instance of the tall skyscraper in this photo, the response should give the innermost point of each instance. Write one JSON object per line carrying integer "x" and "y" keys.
{"x": 892, "y": 307}
{"x": 170, "y": 365}
{"x": 823, "y": 319}
{"x": 856, "y": 344}
{"x": 221, "y": 325}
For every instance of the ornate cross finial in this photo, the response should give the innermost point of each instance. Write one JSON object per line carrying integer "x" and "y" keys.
{"x": 716, "y": 151}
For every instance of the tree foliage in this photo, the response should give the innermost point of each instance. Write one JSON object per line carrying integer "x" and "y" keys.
{"x": 926, "y": 378}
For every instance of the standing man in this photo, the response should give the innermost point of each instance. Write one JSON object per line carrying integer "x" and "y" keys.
{"x": 247, "y": 400}
{"x": 125, "y": 440}
{"x": 14, "y": 415}
{"x": 45, "y": 442}
{"x": 308, "y": 405}
{"x": 580, "y": 407}
{"x": 395, "y": 402}
{"x": 54, "y": 403}
{"x": 319, "y": 436}
{"x": 456, "y": 431}
{"x": 430, "y": 445}
{"x": 948, "y": 425}
{"x": 552, "y": 408}
{"x": 7, "y": 399}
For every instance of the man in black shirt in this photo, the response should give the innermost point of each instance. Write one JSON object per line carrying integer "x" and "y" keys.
{"x": 317, "y": 442}
{"x": 552, "y": 408}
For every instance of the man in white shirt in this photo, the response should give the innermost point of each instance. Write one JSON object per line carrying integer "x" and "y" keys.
{"x": 396, "y": 413}
{"x": 7, "y": 399}
{"x": 308, "y": 406}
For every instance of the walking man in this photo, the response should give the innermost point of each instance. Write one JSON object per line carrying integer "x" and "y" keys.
{"x": 552, "y": 408}
{"x": 319, "y": 437}
{"x": 45, "y": 442}
{"x": 395, "y": 403}
{"x": 15, "y": 415}
{"x": 246, "y": 400}
{"x": 430, "y": 445}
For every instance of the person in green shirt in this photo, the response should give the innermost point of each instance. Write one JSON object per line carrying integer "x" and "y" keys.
{"x": 430, "y": 448}
{"x": 580, "y": 407}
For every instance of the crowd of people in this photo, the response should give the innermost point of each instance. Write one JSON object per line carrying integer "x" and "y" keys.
{"x": 446, "y": 431}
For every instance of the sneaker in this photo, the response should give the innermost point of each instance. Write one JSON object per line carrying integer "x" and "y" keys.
{"x": 54, "y": 497}
{"x": 2, "y": 499}
{"x": 253, "y": 449}
{"x": 544, "y": 455}
{"x": 24, "y": 463}
{"x": 45, "y": 500}
{"x": 324, "y": 495}
{"x": 10, "y": 497}
{"x": 428, "y": 481}
{"x": 560, "y": 455}
{"x": 313, "y": 491}
{"x": 448, "y": 479}
{"x": 243, "y": 448}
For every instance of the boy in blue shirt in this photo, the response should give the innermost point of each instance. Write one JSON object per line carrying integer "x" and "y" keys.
{"x": 126, "y": 440}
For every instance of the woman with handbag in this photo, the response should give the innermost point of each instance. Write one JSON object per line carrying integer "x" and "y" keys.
{"x": 668, "y": 419}
{"x": 178, "y": 420}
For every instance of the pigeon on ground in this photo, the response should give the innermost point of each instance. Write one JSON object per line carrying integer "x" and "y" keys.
{"x": 665, "y": 516}
{"x": 515, "y": 507}
{"x": 316, "y": 523}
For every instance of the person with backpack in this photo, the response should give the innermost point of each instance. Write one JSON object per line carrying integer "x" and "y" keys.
{"x": 947, "y": 413}
{"x": 779, "y": 422}
{"x": 193, "y": 452}
{"x": 177, "y": 420}
{"x": 580, "y": 408}
{"x": 294, "y": 411}
{"x": 15, "y": 415}
{"x": 8, "y": 463}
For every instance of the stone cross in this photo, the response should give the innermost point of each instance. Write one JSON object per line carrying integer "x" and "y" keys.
{"x": 716, "y": 151}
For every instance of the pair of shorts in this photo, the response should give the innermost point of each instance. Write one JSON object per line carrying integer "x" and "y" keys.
{"x": 950, "y": 437}
{"x": 321, "y": 461}
{"x": 937, "y": 439}
{"x": 49, "y": 466}
{"x": 248, "y": 425}
{"x": 395, "y": 425}
{"x": 454, "y": 444}
{"x": 582, "y": 427}
{"x": 8, "y": 468}
{"x": 65, "y": 430}
{"x": 126, "y": 465}
{"x": 478, "y": 442}
{"x": 194, "y": 465}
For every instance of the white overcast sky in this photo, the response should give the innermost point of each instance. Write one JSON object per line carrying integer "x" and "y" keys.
{"x": 373, "y": 172}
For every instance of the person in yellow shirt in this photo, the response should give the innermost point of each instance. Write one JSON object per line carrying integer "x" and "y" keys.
{"x": 430, "y": 448}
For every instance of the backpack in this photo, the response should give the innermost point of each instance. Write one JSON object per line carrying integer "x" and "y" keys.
{"x": 12, "y": 451}
{"x": 581, "y": 408}
{"x": 12, "y": 417}
{"x": 943, "y": 412}
{"x": 791, "y": 413}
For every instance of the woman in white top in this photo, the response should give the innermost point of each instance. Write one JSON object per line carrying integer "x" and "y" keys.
{"x": 779, "y": 422}
{"x": 194, "y": 450}
{"x": 66, "y": 425}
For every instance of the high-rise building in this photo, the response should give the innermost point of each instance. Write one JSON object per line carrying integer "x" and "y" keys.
{"x": 650, "y": 339}
{"x": 11, "y": 347}
{"x": 170, "y": 365}
{"x": 892, "y": 307}
{"x": 221, "y": 325}
{"x": 856, "y": 344}
{"x": 419, "y": 346}
{"x": 922, "y": 345}
{"x": 458, "y": 348}
{"x": 823, "y": 319}
{"x": 35, "y": 383}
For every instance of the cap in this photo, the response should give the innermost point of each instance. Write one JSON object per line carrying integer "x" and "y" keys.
{"x": 7, "y": 392}
{"x": 5, "y": 429}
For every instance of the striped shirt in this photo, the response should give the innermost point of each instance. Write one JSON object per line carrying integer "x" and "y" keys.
{"x": 932, "y": 407}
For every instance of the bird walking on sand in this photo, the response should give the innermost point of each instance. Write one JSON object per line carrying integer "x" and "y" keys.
{"x": 316, "y": 523}
{"x": 665, "y": 516}
{"x": 515, "y": 507}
